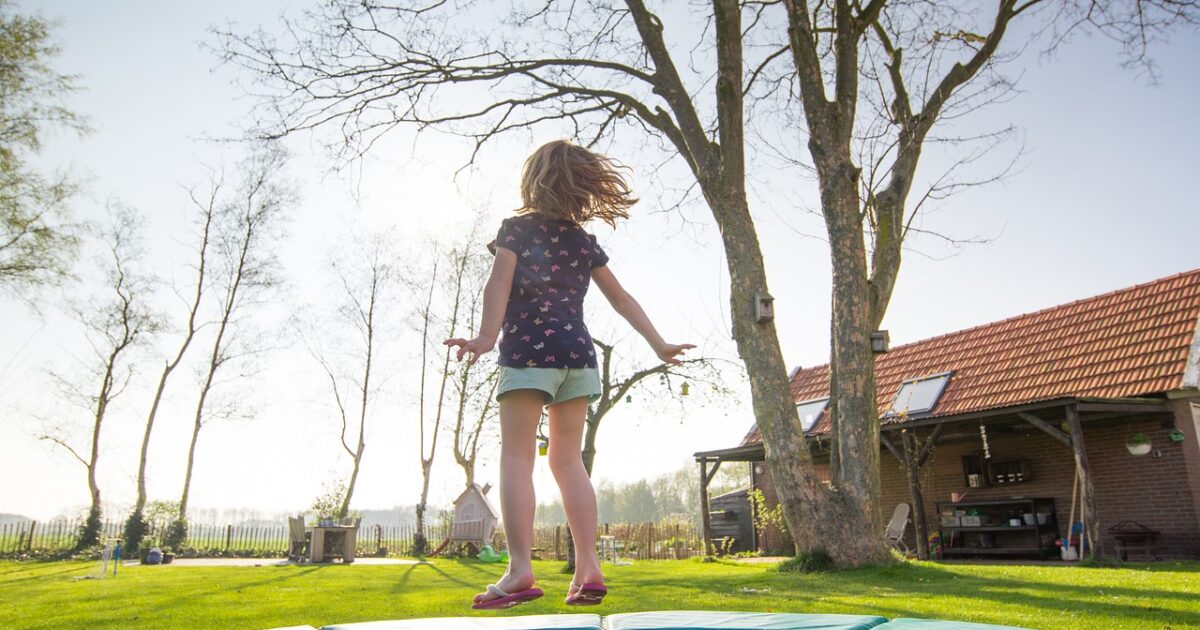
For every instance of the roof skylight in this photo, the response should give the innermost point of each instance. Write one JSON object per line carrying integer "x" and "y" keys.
{"x": 810, "y": 411}
{"x": 918, "y": 396}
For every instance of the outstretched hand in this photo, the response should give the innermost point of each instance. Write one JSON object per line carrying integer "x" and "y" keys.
{"x": 669, "y": 352}
{"x": 477, "y": 347}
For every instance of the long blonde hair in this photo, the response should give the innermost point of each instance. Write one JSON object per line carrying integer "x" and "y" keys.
{"x": 566, "y": 181}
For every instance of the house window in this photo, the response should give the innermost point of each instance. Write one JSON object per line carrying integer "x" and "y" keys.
{"x": 918, "y": 396}
{"x": 810, "y": 411}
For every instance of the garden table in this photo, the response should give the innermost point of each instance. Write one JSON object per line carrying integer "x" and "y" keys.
{"x": 347, "y": 535}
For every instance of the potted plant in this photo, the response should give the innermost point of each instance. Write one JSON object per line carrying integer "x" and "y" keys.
{"x": 1138, "y": 444}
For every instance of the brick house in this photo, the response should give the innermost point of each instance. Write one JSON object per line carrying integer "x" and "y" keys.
{"x": 1041, "y": 407}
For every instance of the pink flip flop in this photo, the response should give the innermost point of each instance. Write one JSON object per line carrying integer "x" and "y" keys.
{"x": 506, "y": 600}
{"x": 589, "y": 594}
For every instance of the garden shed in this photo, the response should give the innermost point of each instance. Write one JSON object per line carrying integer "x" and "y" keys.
{"x": 1097, "y": 399}
{"x": 732, "y": 519}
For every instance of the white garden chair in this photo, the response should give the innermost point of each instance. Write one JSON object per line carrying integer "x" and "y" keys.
{"x": 897, "y": 526}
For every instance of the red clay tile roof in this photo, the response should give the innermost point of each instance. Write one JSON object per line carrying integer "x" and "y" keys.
{"x": 1131, "y": 342}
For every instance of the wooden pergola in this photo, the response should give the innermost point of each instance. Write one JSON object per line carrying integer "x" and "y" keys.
{"x": 902, "y": 441}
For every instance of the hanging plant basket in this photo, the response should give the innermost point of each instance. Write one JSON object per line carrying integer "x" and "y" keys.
{"x": 1138, "y": 444}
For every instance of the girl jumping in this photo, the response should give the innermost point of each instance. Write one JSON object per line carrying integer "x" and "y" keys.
{"x": 544, "y": 263}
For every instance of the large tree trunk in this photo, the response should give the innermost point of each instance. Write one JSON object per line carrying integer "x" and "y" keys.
{"x": 856, "y": 433}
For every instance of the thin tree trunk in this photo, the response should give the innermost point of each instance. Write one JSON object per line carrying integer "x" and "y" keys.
{"x": 91, "y": 532}
{"x": 191, "y": 456}
{"x": 912, "y": 470}
{"x": 140, "y": 503}
{"x": 216, "y": 358}
{"x": 366, "y": 382}
{"x": 419, "y": 542}
{"x": 427, "y": 463}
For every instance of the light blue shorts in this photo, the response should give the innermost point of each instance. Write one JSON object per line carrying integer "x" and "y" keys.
{"x": 558, "y": 384}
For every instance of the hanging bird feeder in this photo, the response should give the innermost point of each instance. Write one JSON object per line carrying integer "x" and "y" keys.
{"x": 628, "y": 398}
{"x": 543, "y": 446}
{"x": 683, "y": 389}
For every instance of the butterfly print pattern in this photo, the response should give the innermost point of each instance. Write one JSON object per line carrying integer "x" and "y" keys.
{"x": 543, "y": 322}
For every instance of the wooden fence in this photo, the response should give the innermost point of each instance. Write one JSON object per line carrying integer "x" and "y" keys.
{"x": 206, "y": 539}
{"x": 635, "y": 541}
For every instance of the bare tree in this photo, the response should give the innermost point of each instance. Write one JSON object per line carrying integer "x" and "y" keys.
{"x": 137, "y": 524}
{"x": 615, "y": 387}
{"x": 115, "y": 324}
{"x": 454, "y": 286}
{"x": 475, "y": 388}
{"x": 474, "y": 383}
{"x": 367, "y": 277}
{"x": 603, "y": 69}
{"x": 616, "y": 384}
{"x": 250, "y": 220}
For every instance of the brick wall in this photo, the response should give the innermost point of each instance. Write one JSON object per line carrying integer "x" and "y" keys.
{"x": 1153, "y": 490}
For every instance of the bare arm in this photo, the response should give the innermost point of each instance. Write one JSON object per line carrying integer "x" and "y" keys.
{"x": 627, "y": 307}
{"x": 495, "y": 300}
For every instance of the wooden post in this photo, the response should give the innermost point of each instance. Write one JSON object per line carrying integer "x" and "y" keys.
{"x": 29, "y": 543}
{"x": 704, "y": 516}
{"x": 557, "y": 542}
{"x": 650, "y": 540}
{"x": 1091, "y": 525}
{"x": 228, "y": 536}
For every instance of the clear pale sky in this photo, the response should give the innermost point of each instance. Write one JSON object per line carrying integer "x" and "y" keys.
{"x": 1102, "y": 200}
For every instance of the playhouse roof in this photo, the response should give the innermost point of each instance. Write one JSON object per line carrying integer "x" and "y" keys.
{"x": 1138, "y": 341}
{"x": 476, "y": 489}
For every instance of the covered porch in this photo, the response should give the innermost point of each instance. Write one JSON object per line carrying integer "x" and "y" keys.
{"x": 1067, "y": 453}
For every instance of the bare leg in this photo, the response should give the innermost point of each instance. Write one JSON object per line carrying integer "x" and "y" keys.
{"x": 520, "y": 411}
{"x": 579, "y": 498}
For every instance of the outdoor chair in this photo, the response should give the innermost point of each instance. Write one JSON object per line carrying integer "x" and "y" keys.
{"x": 298, "y": 539}
{"x": 896, "y": 528}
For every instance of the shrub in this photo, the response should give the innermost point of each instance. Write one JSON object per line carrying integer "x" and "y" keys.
{"x": 176, "y": 534}
{"x": 815, "y": 561}
{"x": 135, "y": 530}
{"x": 89, "y": 532}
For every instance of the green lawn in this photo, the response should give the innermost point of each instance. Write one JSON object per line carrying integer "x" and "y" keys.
{"x": 50, "y": 595}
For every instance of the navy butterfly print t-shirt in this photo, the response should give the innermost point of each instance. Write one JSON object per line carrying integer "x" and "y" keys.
{"x": 543, "y": 324}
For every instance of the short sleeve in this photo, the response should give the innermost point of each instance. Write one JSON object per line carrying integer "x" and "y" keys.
{"x": 509, "y": 236}
{"x": 599, "y": 258}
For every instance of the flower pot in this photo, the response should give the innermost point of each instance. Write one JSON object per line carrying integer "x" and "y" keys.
{"x": 1138, "y": 449}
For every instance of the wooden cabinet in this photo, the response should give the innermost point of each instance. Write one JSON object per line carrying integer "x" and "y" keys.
{"x": 999, "y": 527}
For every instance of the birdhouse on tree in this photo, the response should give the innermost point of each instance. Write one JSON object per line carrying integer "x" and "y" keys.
{"x": 474, "y": 517}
